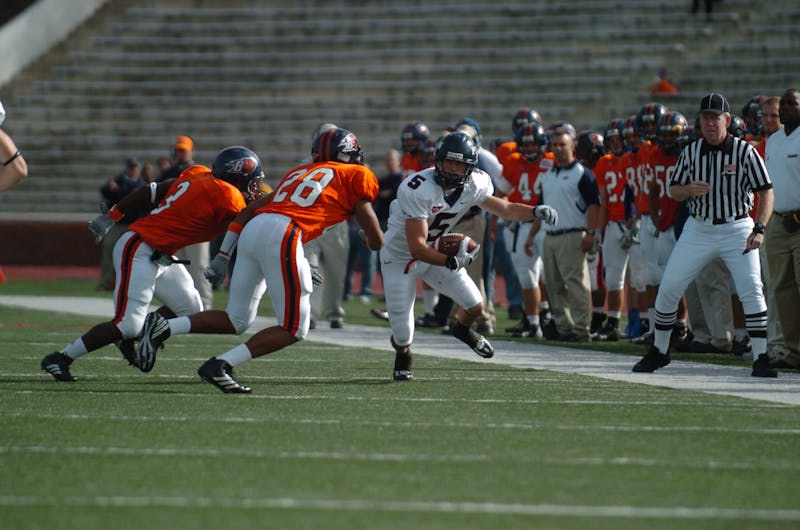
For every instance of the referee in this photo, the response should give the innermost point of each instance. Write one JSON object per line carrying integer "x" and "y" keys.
{"x": 717, "y": 176}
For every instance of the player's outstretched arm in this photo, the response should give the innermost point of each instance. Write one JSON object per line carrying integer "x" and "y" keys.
{"x": 13, "y": 167}
{"x": 368, "y": 222}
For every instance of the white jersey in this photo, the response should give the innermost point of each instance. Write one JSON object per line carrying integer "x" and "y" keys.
{"x": 420, "y": 197}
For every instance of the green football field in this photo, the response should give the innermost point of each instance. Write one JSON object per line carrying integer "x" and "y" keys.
{"x": 328, "y": 441}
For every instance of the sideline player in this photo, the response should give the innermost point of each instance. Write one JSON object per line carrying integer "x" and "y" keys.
{"x": 270, "y": 255}
{"x": 717, "y": 176}
{"x": 195, "y": 207}
{"x": 429, "y": 203}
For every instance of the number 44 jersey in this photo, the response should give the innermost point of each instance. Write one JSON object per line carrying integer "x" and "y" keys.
{"x": 318, "y": 195}
{"x": 420, "y": 197}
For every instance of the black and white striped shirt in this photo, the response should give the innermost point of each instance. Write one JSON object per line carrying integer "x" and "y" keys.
{"x": 733, "y": 170}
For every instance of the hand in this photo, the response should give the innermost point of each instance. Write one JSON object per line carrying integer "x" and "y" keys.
{"x": 626, "y": 239}
{"x": 546, "y": 213}
{"x": 217, "y": 270}
{"x": 2, "y": 113}
{"x": 317, "y": 278}
{"x": 99, "y": 226}
{"x": 754, "y": 241}
{"x": 462, "y": 258}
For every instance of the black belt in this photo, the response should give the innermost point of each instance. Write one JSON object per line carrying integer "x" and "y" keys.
{"x": 725, "y": 221}
{"x": 565, "y": 231}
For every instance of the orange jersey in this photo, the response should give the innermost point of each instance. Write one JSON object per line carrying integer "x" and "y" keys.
{"x": 524, "y": 178}
{"x": 611, "y": 177}
{"x": 644, "y": 174}
{"x": 321, "y": 194}
{"x": 663, "y": 165}
{"x": 411, "y": 163}
{"x": 196, "y": 208}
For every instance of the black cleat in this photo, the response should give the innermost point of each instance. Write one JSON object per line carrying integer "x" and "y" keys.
{"x": 220, "y": 374}
{"x": 402, "y": 362}
{"x": 128, "y": 349}
{"x": 652, "y": 361}
{"x": 57, "y": 365}
{"x": 473, "y": 339}
{"x": 762, "y": 368}
{"x": 154, "y": 333}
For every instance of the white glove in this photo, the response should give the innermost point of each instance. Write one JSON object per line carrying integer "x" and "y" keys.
{"x": 2, "y": 113}
{"x": 217, "y": 270}
{"x": 546, "y": 213}
{"x": 462, "y": 258}
{"x": 99, "y": 226}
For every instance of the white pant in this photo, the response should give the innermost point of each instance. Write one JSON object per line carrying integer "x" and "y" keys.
{"x": 139, "y": 280}
{"x": 529, "y": 268}
{"x": 270, "y": 257}
{"x": 400, "y": 289}
{"x": 615, "y": 258}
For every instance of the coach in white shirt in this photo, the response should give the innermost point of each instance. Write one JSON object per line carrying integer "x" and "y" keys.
{"x": 783, "y": 236}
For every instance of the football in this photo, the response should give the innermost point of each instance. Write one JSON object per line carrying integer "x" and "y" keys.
{"x": 448, "y": 244}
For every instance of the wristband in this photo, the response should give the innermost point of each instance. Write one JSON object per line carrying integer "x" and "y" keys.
{"x": 229, "y": 241}
{"x": 115, "y": 214}
{"x": 16, "y": 155}
{"x": 235, "y": 227}
{"x": 758, "y": 228}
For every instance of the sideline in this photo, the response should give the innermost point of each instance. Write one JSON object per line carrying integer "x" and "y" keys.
{"x": 682, "y": 375}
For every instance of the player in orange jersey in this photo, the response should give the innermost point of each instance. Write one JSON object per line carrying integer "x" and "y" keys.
{"x": 522, "y": 175}
{"x": 193, "y": 208}
{"x": 413, "y": 138}
{"x": 521, "y": 118}
{"x": 270, "y": 256}
{"x": 663, "y": 208}
{"x": 616, "y": 208}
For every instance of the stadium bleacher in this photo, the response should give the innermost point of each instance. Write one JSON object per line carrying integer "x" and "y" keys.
{"x": 264, "y": 75}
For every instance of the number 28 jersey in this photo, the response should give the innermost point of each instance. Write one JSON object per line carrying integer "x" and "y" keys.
{"x": 321, "y": 194}
{"x": 420, "y": 197}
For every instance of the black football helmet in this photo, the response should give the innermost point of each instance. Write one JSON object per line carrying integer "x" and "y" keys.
{"x": 614, "y": 129}
{"x": 561, "y": 127}
{"x": 240, "y": 167}
{"x": 459, "y": 147}
{"x": 413, "y": 136}
{"x": 337, "y": 145}
{"x": 751, "y": 113}
{"x": 524, "y": 116}
{"x": 738, "y": 127}
{"x": 531, "y": 134}
{"x": 647, "y": 119}
{"x": 670, "y": 128}
{"x": 429, "y": 153}
{"x": 589, "y": 147}
{"x": 631, "y": 133}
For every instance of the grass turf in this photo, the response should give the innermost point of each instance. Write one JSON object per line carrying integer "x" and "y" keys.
{"x": 327, "y": 441}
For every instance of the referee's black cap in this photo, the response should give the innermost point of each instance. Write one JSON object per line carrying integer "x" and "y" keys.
{"x": 715, "y": 103}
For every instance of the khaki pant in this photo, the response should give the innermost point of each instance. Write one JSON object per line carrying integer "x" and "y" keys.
{"x": 708, "y": 302}
{"x": 566, "y": 276}
{"x": 199, "y": 256}
{"x": 783, "y": 262}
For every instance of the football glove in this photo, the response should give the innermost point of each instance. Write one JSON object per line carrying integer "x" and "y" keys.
{"x": 462, "y": 258}
{"x": 217, "y": 270}
{"x": 2, "y": 113}
{"x": 99, "y": 226}
{"x": 317, "y": 278}
{"x": 546, "y": 213}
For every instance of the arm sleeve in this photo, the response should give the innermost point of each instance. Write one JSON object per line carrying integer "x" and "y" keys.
{"x": 588, "y": 188}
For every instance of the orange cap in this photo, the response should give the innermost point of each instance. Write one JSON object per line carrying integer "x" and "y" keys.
{"x": 184, "y": 143}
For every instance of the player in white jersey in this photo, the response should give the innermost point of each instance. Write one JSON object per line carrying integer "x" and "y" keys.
{"x": 429, "y": 203}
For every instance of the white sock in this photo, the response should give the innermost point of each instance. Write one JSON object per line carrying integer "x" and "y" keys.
{"x": 179, "y": 326}
{"x": 614, "y": 314}
{"x": 75, "y": 350}
{"x": 237, "y": 355}
{"x": 533, "y": 320}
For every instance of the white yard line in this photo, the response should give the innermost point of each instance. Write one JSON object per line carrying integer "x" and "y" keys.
{"x": 683, "y": 375}
{"x": 374, "y": 505}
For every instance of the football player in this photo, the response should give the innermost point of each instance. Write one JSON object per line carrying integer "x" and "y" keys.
{"x": 413, "y": 138}
{"x": 195, "y": 207}
{"x": 429, "y": 203}
{"x": 510, "y": 150}
{"x": 522, "y": 174}
{"x": 308, "y": 199}
{"x": 616, "y": 207}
